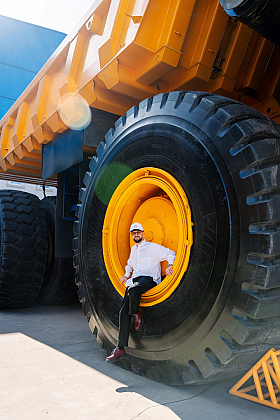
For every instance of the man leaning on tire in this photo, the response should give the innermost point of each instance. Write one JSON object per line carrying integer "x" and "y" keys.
{"x": 144, "y": 264}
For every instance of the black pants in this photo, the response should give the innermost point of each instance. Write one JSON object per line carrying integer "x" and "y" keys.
{"x": 130, "y": 305}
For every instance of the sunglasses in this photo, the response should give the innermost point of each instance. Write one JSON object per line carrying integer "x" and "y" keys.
{"x": 136, "y": 232}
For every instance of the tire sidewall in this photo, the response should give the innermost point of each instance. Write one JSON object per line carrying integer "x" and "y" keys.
{"x": 192, "y": 158}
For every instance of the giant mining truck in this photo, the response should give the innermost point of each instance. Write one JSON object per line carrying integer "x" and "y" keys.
{"x": 163, "y": 112}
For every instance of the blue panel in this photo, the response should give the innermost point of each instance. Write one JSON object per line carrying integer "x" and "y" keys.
{"x": 62, "y": 153}
{"x": 13, "y": 81}
{"x": 26, "y": 46}
{"x": 24, "y": 49}
{"x": 5, "y": 105}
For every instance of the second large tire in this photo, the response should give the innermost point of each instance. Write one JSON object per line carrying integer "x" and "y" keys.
{"x": 225, "y": 312}
{"x": 23, "y": 248}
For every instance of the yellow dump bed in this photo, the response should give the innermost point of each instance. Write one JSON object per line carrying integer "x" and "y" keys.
{"x": 123, "y": 51}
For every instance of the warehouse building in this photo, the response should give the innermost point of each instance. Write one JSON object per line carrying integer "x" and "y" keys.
{"x": 24, "y": 49}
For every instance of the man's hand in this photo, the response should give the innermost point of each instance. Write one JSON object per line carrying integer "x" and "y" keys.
{"x": 123, "y": 279}
{"x": 169, "y": 270}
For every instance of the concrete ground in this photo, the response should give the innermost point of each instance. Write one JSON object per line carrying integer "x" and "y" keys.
{"x": 52, "y": 368}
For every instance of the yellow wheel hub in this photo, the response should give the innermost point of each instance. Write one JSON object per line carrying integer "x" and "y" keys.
{"x": 154, "y": 231}
{"x": 155, "y": 199}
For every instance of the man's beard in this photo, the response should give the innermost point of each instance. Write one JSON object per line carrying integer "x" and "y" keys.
{"x": 137, "y": 240}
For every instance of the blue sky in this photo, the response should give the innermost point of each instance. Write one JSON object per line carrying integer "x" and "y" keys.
{"x": 60, "y": 15}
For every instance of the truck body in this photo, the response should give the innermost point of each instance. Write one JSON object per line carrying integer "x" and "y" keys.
{"x": 123, "y": 52}
{"x": 201, "y": 77}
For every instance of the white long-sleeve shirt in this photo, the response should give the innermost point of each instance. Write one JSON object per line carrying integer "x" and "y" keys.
{"x": 144, "y": 260}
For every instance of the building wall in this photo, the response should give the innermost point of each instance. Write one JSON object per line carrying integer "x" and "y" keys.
{"x": 24, "y": 49}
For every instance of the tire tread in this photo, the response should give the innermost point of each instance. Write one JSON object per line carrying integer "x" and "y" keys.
{"x": 24, "y": 249}
{"x": 259, "y": 326}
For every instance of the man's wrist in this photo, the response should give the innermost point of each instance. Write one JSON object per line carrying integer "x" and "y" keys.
{"x": 170, "y": 265}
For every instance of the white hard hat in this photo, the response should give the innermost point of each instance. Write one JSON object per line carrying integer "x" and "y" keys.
{"x": 136, "y": 226}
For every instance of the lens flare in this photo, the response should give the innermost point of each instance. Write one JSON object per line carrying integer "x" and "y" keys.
{"x": 74, "y": 111}
{"x": 108, "y": 180}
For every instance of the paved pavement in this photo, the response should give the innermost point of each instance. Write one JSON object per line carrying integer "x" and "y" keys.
{"x": 52, "y": 368}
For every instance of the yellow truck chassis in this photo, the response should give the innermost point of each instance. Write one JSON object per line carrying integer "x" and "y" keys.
{"x": 125, "y": 51}
{"x": 188, "y": 92}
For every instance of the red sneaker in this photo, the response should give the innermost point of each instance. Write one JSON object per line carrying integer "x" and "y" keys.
{"x": 138, "y": 320}
{"x": 116, "y": 355}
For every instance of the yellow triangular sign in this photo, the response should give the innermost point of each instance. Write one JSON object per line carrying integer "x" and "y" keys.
{"x": 262, "y": 382}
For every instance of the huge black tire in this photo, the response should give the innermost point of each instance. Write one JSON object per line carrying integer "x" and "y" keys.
{"x": 225, "y": 312}
{"x": 59, "y": 286}
{"x": 23, "y": 248}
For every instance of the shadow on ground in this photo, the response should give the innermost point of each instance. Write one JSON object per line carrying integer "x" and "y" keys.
{"x": 65, "y": 329}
